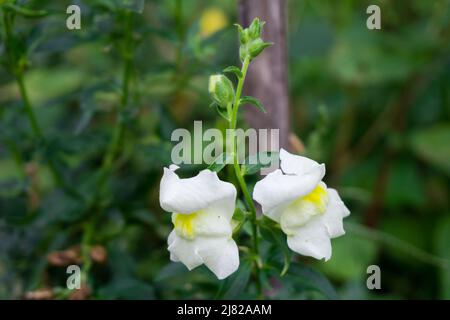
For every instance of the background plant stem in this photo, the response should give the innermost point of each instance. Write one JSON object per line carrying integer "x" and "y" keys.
{"x": 18, "y": 71}
{"x": 113, "y": 148}
{"x": 28, "y": 108}
{"x": 119, "y": 128}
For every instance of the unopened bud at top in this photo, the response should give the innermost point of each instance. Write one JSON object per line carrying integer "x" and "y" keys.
{"x": 250, "y": 38}
{"x": 255, "y": 29}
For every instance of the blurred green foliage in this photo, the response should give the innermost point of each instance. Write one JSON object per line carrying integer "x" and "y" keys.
{"x": 373, "y": 105}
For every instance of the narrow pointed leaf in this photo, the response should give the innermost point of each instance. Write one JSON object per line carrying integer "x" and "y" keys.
{"x": 220, "y": 162}
{"x": 235, "y": 70}
{"x": 253, "y": 163}
{"x": 253, "y": 101}
{"x": 222, "y": 113}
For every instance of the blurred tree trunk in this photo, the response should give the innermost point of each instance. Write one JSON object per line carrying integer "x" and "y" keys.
{"x": 267, "y": 76}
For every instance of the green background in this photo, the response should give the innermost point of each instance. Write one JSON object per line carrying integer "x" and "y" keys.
{"x": 374, "y": 106}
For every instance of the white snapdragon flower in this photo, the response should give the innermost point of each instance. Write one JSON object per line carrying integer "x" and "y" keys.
{"x": 202, "y": 208}
{"x": 310, "y": 214}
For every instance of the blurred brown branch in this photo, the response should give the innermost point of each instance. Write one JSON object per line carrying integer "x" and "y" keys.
{"x": 267, "y": 77}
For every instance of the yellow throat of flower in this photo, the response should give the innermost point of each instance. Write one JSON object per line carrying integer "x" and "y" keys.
{"x": 318, "y": 197}
{"x": 184, "y": 224}
{"x": 301, "y": 210}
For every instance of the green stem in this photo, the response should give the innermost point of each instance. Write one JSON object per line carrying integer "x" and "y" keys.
{"x": 16, "y": 156}
{"x": 113, "y": 148}
{"x": 18, "y": 73}
{"x": 18, "y": 69}
{"x": 28, "y": 108}
{"x": 239, "y": 92}
{"x": 86, "y": 250}
{"x": 119, "y": 128}
{"x": 240, "y": 177}
{"x": 59, "y": 179}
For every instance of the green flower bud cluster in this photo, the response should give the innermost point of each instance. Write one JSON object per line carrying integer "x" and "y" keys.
{"x": 226, "y": 100}
{"x": 250, "y": 39}
{"x": 221, "y": 90}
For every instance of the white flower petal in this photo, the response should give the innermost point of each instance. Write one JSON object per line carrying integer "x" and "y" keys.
{"x": 170, "y": 240}
{"x": 220, "y": 255}
{"x": 336, "y": 211}
{"x": 277, "y": 190}
{"x": 205, "y": 190}
{"x": 173, "y": 257}
{"x": 212, "y": 224}
{"x": 294, "y": 164}
{"x": 335, "y": 198}
{"x": 311, "y": 240}
{"x": 202, "y": 223}
{"x": 184, "y": 251}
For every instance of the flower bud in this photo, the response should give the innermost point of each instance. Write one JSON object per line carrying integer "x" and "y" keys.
{"x": 256, "y": 47}
{"x": 244, "y": 36}
{"x": 221, "y": 90}
{"x": 251, "y": 43}
{"x": 255, "y": 29}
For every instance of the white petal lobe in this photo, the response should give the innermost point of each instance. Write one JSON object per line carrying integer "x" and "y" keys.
{"x": 333, "y": 217}
{"x": 277, "y": 190}
{"x": 294, "y": 164}
{"x": 311, "y": 240}
{"x": 184, "y": 250}
{"x": 220, "y": 255}
{"x": 192, "y": 194}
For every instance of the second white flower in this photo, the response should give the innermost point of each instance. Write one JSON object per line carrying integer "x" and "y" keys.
{"x": 309, "y": 213}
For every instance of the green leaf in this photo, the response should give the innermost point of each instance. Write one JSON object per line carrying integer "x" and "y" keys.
{"x": 234, "y": 285}
{"x": 253, "y": 101}
{"x": 13, "y": 187}
{"x": 310, "y": 279}
{"x": 220, "y": 162}
{"x": 239, "y": 218}
{"x": 132, "y": 5}
{"x": 405, "y": 185}
{"x": 61, "y": 207}
{"x": 235, "y": 70}
{"x": 253, "y": 163}
{"x": 222, "y": 113}
{"x": 46, "y": 84}
{"x": 170, "y": 271}
{"x": 25, "y": 12}
{"x": 126, "y": 288}
{"x": 268, "y": 231}
{"x": 239, "y": 215}
{"x": 442, "y": 241}
{"x": 351, "y": 256}
{"x": 432, "y": 145}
